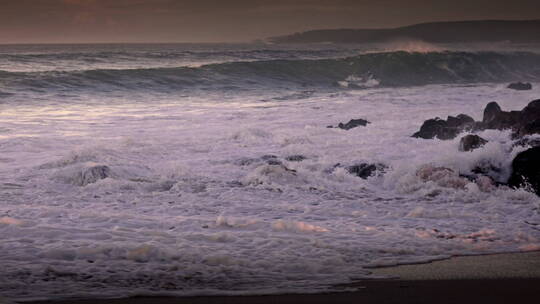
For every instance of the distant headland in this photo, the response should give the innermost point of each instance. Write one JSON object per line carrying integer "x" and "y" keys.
{"x": 519, "y": 31}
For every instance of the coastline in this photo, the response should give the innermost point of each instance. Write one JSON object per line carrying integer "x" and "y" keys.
{"x": 495, "y": 278}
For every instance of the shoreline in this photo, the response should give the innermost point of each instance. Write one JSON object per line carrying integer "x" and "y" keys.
{"x": 507, "y": 265}
{"x": 494, "y": 278}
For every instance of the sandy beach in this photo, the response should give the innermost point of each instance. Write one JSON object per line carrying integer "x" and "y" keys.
{"x": 500, "y": 278}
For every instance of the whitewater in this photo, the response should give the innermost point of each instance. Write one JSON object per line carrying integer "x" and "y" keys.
{"x": 220, "y": 175}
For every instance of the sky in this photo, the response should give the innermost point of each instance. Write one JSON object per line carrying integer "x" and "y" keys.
{"x": 87, "y": 21}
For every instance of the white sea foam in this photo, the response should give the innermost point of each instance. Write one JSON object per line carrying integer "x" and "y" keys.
{"x": 410, "y": 46}
{"x": 193, "y": 203}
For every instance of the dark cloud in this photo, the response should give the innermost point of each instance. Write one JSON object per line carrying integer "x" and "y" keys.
{"x": 228, "y": 20}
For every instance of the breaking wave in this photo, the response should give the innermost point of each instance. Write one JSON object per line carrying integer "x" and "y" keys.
{"x": 389, "y": 69}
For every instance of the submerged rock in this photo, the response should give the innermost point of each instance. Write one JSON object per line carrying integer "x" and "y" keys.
{"x": 92, "y": 174}
{"x": 442, "y": 176}
{"x": 295, "y": 158}
{"x": 485, "y": 183}
{"x": 268, "y": 159}
{"x": 353, "y": 123}
{"x": 520, "y": 86}
{"x": 273, "y": 176}
{"x": 271, "y": 159}
{"x": 526, "y": 170}
{"x": 445, "y": 129}
{"x": 471, "y": 142}
{"x": 485, "y": 167}
{"x": 365, "y": 170}
{"x": 532, "y": 142}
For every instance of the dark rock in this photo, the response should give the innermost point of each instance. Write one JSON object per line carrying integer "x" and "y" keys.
{"x": 366, "y": 170}
{"x": 532, "y": 110}
{"x": 471, "y": 142}
{"x": 460, "y": 121}
{"x": 90, "y": 175}
{"x": 295, "y": 158}
{"x": 353, "y": 123}
{"x": 520, "y": 86}
{"x": 445, "y": 129}
{"x": 527, "y": 129}
{"x": 495, "y": 118}
{"x": 529, "y": 120}
{"x": 432, "y": 128}
{"x": 524, "y": 122}
{"x": 491, "y": 111}
{"x": 526, "y": 170}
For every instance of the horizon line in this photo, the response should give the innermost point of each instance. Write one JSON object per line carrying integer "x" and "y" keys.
{"x": 265, "y": 40}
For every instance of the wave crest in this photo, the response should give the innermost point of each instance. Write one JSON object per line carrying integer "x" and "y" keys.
{"x": 389, "y": 69}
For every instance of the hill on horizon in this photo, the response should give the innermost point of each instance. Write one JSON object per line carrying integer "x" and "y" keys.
{"x": 519, "y": 31}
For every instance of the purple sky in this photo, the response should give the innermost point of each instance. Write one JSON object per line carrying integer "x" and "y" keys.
{"x": 65, "y": 21}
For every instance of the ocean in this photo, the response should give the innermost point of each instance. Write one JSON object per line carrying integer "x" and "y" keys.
{"x": 210, "y": 169}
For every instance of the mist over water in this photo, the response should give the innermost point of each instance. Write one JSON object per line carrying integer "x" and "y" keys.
{"x": 175, "y": 169}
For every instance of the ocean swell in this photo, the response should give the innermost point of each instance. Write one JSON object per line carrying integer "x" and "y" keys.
{"x": 390, "y": 69}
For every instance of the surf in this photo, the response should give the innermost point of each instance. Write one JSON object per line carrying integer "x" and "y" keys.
{"x": 384, "y": 69}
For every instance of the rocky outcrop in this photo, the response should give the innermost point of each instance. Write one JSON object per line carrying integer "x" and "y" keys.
{"x": 526, "y": 165}
{"x": 526, "y": 170}
{"x": 445, "y": 129}
{"x": 522, "y": 123}
{"x": 497, "y": 119}
{"x": 530, "y": 120}
{"x": 471, "y": 142}
{"x": 520, "y": 86}
{"x": 365, "y": 170}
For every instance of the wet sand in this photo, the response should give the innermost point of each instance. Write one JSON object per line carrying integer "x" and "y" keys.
{"x": 502, "y": 278}
{"x": 496, "y": 266}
